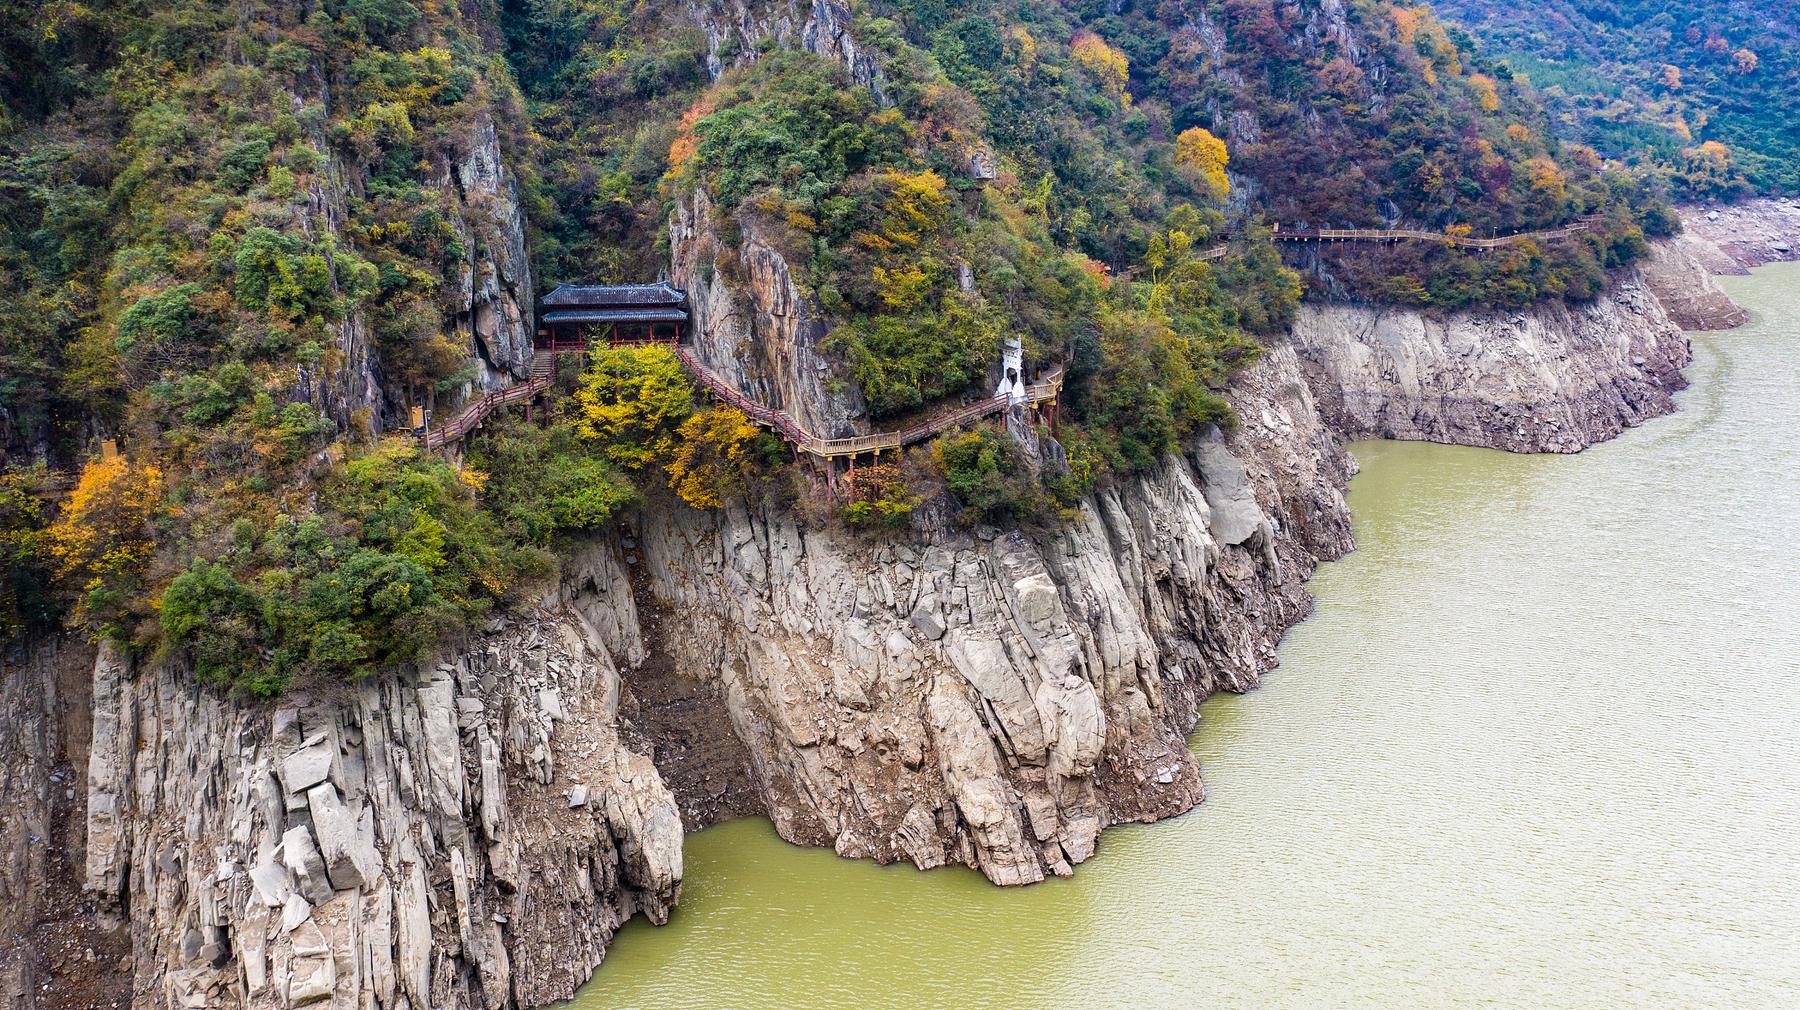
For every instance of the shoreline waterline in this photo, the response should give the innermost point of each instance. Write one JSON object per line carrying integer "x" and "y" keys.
{"x": 1535, "y": 747}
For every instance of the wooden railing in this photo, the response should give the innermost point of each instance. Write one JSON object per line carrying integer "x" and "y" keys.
{"x": 833, "y": 448}
{"x": 543, "y": 370}
{"x": 1419, "y": 235}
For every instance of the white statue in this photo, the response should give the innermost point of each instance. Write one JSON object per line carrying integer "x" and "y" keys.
{"x": 1012, "y": 372}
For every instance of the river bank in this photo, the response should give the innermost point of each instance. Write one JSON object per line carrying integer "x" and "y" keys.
{"x": 474, "y": 832}
{"x": 1558, "y": 792}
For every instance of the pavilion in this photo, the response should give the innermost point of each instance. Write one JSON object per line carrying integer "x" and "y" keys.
{"x": 577, "y": 314}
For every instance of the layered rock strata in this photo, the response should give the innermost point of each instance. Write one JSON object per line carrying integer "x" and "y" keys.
{"x": 464, "y": 834}
{"x": 472, "y": 832}
{"x": 1554, "y": 377}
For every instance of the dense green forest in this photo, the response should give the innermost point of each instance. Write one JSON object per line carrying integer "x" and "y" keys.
{"x": 240, "y": 240}
{"x": 1704, "y": 90}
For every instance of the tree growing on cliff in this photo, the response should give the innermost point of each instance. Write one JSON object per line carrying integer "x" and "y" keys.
{"x": 631, "y": 402}
{"x": 713, "y": 458}
{"x": 1202, "y": 157}
{"x": 99, "y": 546}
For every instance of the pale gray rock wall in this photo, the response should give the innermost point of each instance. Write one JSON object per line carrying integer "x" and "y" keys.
{"x": 997, "y": 702}
{"x": 466, "y": 834}
{"x": 1554, "y": 377}
{"x": 1681, "y": 271}
{"x": 734, "y": 28}
{"x": 753, "y": 324}
{"x": 491, "y": 308}
{"x": 1747, "y": 234}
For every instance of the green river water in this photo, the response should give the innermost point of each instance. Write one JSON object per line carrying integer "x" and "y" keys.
{"x": 1539, "y": 747}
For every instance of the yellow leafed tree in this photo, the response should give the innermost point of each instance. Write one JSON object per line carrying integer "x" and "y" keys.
{"x": 1109, "y": 66}
{"x": 1487, "y": 92}
{"x": 712, "y": 457}
{"x": 1204, "y": 157}
{"x": 630, "y": 401}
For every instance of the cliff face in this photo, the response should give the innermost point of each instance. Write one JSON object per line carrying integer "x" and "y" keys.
{"x": 1720, "y": 240}
{"x": 466, "y": 834}
{"x": 473, "y": 832}
{"x": 488, "y": 309}
{"x": 736, "y": 31}
{"x": 1680, "y": 270}
{"x": 996, "y": 702}
{"x": 753, "y": 324}
{"x": 1552, "y": 378}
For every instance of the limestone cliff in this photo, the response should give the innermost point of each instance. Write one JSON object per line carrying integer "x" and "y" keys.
{"x": 1680, "y": 270}
{"x": 1719, "y": 240}
{"x": 1551, "y": 378}
{"x": 472, "y": 832}
{"x": 753, "y": 324}
{"x": 736, "y": 33}
{"x": 465, "y": 834}
{"x": 488, "y": 312}
{"x": 996, "y": 701}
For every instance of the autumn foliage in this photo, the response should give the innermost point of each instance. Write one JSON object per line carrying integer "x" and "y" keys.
{"x": 102, "y": 541}
{"x": 1203, "y": 156}
{"x": 712, "y": 457}
{"x": 1108, "y": 66}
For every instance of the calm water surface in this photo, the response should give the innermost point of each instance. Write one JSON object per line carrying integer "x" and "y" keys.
{"x": 1539, "y": 747}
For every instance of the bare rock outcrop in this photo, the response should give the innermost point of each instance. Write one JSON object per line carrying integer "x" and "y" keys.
{"x": 998, "y": 701}
{"x": 1681, "y": 271}
{"x": 53, "y": 952}
{"x": 1744, "y": 235}
{"x": 492, "y": 310}
{"x": 735, "y": 30}
{"x": 1555, "y": 377}
{"x": 469, "y": 833}
{"x": 753, "y": 324}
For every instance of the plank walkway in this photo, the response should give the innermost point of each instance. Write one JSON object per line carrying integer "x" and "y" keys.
{"x": 543, "y": 370}
{"x": 836, "y": 448}
{"x": 471, "y": 416}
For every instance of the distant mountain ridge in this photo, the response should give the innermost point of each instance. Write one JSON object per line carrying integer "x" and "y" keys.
{"x": 1653, "y": 82}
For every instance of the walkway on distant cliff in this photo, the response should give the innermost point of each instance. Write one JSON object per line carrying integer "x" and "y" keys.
{"x": 1389, "y": 236}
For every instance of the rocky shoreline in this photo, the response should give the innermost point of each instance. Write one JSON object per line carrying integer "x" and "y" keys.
{"x": 471, "y": 833}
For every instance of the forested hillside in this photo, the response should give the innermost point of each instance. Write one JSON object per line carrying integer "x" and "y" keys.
{"x": 244, "y": 239}
{"x": 1706, "y": 89}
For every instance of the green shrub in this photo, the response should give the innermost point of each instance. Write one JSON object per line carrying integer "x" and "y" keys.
{"x": 986, "y": 471}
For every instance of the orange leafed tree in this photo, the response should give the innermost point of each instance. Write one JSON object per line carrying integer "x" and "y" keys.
{"x": 102, "y": 539}
{"x": 687, "y": 140}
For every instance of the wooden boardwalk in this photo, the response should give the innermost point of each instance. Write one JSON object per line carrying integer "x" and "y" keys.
{"x": 543, "y": 370}
{"x": 1392, "y": 235}
{"x": 471, "y": 416}
{"x": 780, "y": 422}
{"x": 837, "y": 448}
{"x": 1389, "y": 236}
